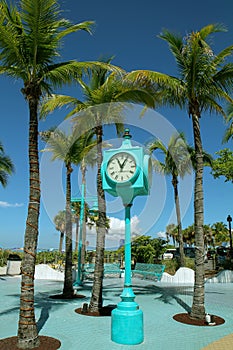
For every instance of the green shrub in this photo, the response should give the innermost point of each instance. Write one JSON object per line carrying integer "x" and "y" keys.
{"x": 54, "y": 257}
{"x": 190, "y": 263}
{"x": 3, "y": 257}
{"x": 173, "y": 265}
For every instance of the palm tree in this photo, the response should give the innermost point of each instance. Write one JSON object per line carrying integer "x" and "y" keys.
{"x": 64, "y": 148}
{"x": 68, "y": 149}
{"x": 220, "y": 233}
{"x": 189, "y": 235}
{"x": 176, "y": 163}
{"x": 205, "y": 80}
{"x": 208, "y": 235}
{"x": 60, "y": 223}
{"x": 90, "y": 159}
{"x": 6, "y": 166}
{"x": 30, "y": 37}
{"x": 229, "y": 131}
{"x": 103, "y": 90}
{"x": 171, "y": 232}
{"x": 76, "y": 206}
{"x": 86, "y": 156}
{"x": 76, "y": 209}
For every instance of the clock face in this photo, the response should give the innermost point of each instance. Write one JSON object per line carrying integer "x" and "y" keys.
{"x": 121, "y": 167}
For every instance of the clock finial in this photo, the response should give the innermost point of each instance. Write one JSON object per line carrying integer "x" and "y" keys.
{"x": 127, "y": 134}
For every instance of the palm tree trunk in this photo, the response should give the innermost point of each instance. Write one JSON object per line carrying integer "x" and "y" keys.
{"x": 27, "y": 329}
{"x": 68, "y": 290}
{"x": 76, "y": 234}
{"x": 198, "y": 307}
{"x": 83, "y": 253}
{"x": 96, "y": 298}
{"x": 61, "y": 241}
{"x": 84, "y": 232}
{"x": 178, "y": 216}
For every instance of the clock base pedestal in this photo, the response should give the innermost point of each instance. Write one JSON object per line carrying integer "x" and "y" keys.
{"x": 127, "y": 320}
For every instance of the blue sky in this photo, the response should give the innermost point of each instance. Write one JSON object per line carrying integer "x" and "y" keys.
{"x": 127, "y": 30}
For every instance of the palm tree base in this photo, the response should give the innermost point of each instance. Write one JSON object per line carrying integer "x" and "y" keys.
{"x": 45, "y": 343}
{"x": 185, "y": 318}
{"x": 64, "y": 296}
{"x": 104, "y": 311}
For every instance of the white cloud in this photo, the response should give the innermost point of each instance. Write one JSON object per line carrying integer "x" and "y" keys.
{"x": 115, "y": 233}
{"x": 10, "y": 205}
{"x": 117, "y": 227}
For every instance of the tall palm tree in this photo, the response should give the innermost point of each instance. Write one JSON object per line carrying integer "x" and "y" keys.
{"x": 76, "y": 206}
{"x": 6, "y": 166}
{"x": 89, "y": 158}
{"x": 30, "y": 37}
{"x": 176, "y": 163}
{"x": 205, "y": 80}
{"x": 86, "y": 156}
{"x": 68, "y": 149}
{"x": 102, "y": 89}
{"x": 60, "y": 223}
{"x": 76, "y": 209}
{"x": 63, "y": 148}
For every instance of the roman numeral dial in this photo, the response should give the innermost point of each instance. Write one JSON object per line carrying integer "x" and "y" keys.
{"x": 121, "y": 167}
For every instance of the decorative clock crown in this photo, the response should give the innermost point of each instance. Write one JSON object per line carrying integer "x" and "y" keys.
{"x": 126, "y": 143}
{"x": 127, "y": 134}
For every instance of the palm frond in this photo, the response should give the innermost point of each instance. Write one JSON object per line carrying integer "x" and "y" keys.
{"x": 158, "y": 166}
{"x": 210, "y": 29}
{"x": 220, "y": 58}
{"x": 67, "y": 72}
{"x": 50, "y": 103}
{"x": 229, "y": 131}
{"x": 176, "y": 155}
{"x": 157, "y": 144}
{"x": 175, "y": 43}
{"x": 6, "y": 166}
{"x": 86, "y": 26}
{"x": 224, "y": 78}
{"x": 30, "y": 39}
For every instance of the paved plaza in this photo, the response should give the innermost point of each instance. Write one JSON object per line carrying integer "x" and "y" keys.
{"x": 159, "y": 302}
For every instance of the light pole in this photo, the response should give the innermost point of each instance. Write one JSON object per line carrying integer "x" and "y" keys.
{"x": 229, "y": 219}
{"x": 81, "y": 199}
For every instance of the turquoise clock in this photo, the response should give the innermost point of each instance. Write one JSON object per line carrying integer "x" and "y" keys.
{"x": 126, "y": 171}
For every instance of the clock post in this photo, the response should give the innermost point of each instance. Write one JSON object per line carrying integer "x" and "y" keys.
{"x": 126, "y": 173}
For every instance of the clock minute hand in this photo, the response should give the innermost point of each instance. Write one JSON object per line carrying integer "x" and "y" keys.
{"x": 123, "y": 164}
{"x": 120, "y": 165}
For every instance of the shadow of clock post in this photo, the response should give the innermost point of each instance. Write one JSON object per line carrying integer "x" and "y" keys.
{"x": 126, "y": 173}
